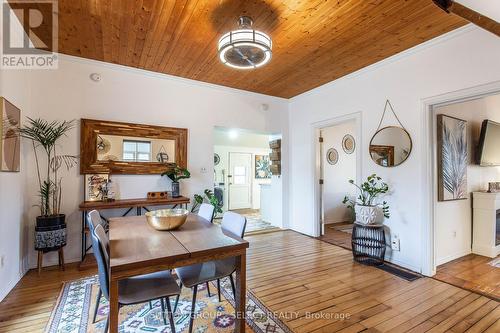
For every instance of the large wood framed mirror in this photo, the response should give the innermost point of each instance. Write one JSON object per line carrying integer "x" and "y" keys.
{"x": 123, "y": 148}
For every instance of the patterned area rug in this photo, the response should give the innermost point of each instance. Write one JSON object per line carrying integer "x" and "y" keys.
{"x": 495, "y": 262}
{"x": 74, "y": 310}
{"x": 254, "y": 222}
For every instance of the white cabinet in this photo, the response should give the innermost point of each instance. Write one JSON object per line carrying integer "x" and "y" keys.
{"x": 266, "y": 202}
{"x": 486, "y": 212}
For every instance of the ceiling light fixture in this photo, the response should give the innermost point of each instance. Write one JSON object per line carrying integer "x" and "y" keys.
{"x": 245, "y": 48}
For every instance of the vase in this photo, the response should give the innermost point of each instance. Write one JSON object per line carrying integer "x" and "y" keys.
{"x": 175, "y": 190}
{"x": 367, "y": 214}
{"x": 50, "y": 232}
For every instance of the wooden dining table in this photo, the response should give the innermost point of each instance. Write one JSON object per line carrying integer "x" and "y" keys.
{"x": 136, "y": 248}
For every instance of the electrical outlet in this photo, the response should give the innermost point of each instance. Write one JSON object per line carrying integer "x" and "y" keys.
{"x": 395, "y": 246}
{"x": 454, "y": 234}
{"x": 2, "y": 261}
{"x": 203, "y": 170}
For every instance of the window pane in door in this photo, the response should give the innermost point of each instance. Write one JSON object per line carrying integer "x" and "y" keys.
{"x": 239, "y": 180}
{"x": 239, "y": 171}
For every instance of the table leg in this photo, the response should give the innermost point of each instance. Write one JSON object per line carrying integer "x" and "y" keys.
{"x": 240, "y": 299}
{"x": 113, "y": 307}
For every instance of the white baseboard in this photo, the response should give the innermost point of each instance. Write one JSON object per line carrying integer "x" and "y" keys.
{"x": 486, "y": 251}
{"x": 444, "y": 260}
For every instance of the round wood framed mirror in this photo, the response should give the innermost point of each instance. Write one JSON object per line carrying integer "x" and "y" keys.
{"x": 390, "y": 146}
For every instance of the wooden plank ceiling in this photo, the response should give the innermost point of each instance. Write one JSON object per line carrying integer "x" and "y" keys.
{"x": 314, "y": 41}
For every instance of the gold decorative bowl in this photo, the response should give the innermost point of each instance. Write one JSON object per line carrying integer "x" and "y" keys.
{"x": 167, "y": 219}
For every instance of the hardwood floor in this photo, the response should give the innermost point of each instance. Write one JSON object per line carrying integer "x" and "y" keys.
{"x": 472, "y": 272}
{"x": 335, "y": 236}
{"x": 311, "y": 285}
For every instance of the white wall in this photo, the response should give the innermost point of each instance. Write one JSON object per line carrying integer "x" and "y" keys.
{"x": 464, "y": 58}
{"x": 489, "y": 8}
{"x": 14, "y": 86}
{"x": 453, "y": 219}
{"x": 336, "y": 177}
{"x": 137, "y": 96}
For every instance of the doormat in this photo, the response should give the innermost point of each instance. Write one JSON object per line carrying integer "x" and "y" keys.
{"x": 74, "y": 310}
{"x": 407, "y": 275}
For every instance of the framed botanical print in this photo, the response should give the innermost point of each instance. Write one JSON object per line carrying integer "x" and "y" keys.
{"x": 262, "y": 167}
{"x": 10, "y": 140}
{"x": 95, "y": 186}
{"x": 452, "y": 158}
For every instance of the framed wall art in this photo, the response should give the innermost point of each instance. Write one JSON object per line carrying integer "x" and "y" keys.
{"x": 10, "y": 140}
{"x": 348, "y": 144}
{"x": 262, "y": 167}
{"x": 95, "y": 185}
{"x": 452, "y": 158}
{"x": 332, "y": 156}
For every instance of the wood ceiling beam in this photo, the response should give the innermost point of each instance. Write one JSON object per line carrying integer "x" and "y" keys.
{"x": 470, "y": 15}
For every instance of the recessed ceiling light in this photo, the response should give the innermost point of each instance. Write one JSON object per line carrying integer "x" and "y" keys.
{"x": 245, "y": 48}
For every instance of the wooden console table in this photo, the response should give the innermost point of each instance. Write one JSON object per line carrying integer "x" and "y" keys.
{"x": 129, "y": 204}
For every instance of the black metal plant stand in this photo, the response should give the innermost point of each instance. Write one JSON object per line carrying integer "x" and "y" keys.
{"x": 368, "y": 244}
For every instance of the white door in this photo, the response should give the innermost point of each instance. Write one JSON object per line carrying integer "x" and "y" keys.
{"x": 240, "y": 180}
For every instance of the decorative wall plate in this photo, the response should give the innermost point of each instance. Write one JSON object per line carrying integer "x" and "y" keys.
{"x": 216, "y": 159}
{"x": 332, "y": 156}
{"x": 348, "y": 144}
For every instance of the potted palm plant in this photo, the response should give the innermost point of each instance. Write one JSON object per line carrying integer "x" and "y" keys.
{"x": 50, "y": 229}
{"x": 176, "y": 173}
{"x": 366, "y": 208}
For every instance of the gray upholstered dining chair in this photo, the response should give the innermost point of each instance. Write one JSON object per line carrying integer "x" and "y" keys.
{"x": 206, "y": 211}
{"x": 94, "y": 219}
{"x": 134, "y": 290}
{"x": 191, "y": 276}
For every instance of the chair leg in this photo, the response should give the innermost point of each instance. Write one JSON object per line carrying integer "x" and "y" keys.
{"x": 163, "y": 311}
{"x": 150, "y": 305}
{"x": 98, "y": 299}
{"x": 193, "y": 308}
{"x": 176, "y": 302}
{"x": 218, "y": 289}
{"x": 208, "y": 289}
{"x": 232, "y": 285}
{"x": 170, "y": 315}
{"x": 106, "y": 326}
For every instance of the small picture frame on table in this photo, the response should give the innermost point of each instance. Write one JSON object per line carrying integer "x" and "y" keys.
{"x": 95, "y": 186}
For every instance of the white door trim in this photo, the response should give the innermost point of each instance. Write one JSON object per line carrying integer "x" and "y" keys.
{"x": 316, "y": 159}
{"x": 428, "y": 264}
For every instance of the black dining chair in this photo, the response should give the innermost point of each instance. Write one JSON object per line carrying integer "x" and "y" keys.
{"x": 134, "y": 290}
{"x": 191, "y": 276}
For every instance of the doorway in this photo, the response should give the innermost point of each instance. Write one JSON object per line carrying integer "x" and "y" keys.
{"x": 240, "y": 181}
{"x": 243, "y": 179}
{"x": 460, "y": 219}
{"x": 338, "y": 162}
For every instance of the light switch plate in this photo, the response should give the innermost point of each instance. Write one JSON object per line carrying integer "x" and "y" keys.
{"x": 395, "y": 245}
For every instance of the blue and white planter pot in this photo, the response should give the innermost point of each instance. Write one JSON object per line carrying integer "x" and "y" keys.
{"x": 50, "y": 233}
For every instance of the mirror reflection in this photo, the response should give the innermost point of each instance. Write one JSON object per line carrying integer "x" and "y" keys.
{"x": 390, "y": 146}
{"x": 134, "y": 149}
